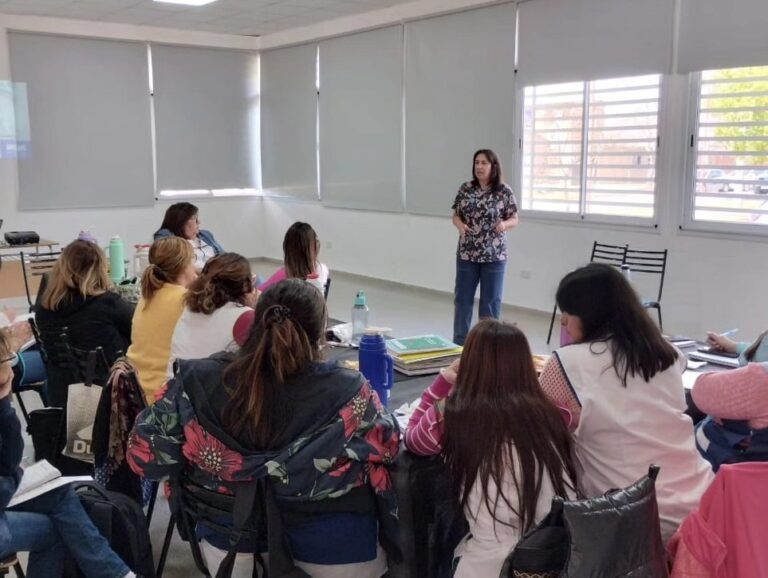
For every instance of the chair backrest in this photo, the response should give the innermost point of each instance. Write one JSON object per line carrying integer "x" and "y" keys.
{"x": 611, "y": 254}
{"x": 193, "y": 504}
{"x": 617, "y": 534}
{"x": 327, "y": 288}
{"x": 82, "y": 365}
{"x": 35, "y": 265}
{"x": 648, "y": 262}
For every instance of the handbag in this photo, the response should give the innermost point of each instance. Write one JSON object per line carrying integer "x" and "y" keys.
{"x": 82, "y": 403}
{"x": 617, "y": 534}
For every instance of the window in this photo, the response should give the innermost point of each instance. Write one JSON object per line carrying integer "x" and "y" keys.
{"x": 589, "y": 148}
{"x": 729, "y": 146}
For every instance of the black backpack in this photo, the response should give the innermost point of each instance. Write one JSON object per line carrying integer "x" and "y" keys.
{"x": 122, "y": 522}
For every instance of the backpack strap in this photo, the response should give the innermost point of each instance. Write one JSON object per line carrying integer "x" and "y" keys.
{"x": 245, "y": 500}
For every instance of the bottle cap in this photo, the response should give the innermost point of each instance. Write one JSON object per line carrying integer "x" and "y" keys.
{"x": 360, "y": 299}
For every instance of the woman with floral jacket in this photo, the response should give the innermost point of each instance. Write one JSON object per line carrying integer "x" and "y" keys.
{"x": 317, "y": 432}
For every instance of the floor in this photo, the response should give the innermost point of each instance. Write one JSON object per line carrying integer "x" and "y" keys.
{"x": 406, "y": 310}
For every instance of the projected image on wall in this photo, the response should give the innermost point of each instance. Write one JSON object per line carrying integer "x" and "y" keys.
{"x": 14, "y": 120}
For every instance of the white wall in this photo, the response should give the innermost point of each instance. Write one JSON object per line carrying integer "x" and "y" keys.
{"x": 236, "y": 222}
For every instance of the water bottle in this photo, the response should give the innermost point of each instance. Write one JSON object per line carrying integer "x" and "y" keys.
{"x": 376, "y": 364}
{"x": 359, "y": 317}
{"x": 116, "y": 260}
{"x": 627, "y": 272}
{"x": 140, "y": 259}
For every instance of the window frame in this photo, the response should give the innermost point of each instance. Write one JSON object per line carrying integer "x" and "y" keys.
{"x": 644, "y": 223}
{"x": 689, "y": 186}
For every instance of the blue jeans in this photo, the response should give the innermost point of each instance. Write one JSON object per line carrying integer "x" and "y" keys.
{"x": 468, "y": 275}
{"x": 54, "y": 524}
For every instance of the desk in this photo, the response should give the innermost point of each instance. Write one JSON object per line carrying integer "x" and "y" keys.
{"x": 11, "y": 274}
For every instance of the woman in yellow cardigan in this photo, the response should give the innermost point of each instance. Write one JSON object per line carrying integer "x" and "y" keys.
{"x": 163, "y": 286}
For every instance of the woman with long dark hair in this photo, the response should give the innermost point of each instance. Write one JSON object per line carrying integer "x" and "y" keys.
{"x": 506, "y": 445}
{"x": 483, "y": 211}
{"x": 275, "y": 410}
{"x": 300, "y": 258}
{"x": 622, "y": 382}
{"x": 183, "y": 220}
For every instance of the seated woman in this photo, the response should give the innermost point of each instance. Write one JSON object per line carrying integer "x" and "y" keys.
{"x": 182, "y": 220}
{"x": 163, "y": 286}
{"x": 623, "y": 384}
{"x": 81, "y": 297}
{"x": 317, "y": 430}
{"x": 300, "y": 250}
{"x": 495, "y": 386}
{"x": 736, "y": 402}
{"x": 757, "y": 351}
{"x": 53, "y": 525}
{"x": 214, "y": 303}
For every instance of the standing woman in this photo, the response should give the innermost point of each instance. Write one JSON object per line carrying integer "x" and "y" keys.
{"x": 484, "y": 209}
{"x": 183, "y": 220}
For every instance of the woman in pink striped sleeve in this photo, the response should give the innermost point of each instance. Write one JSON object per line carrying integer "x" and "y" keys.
{"x": 506, "y": 445}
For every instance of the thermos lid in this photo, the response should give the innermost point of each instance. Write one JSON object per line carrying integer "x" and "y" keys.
{"x": 360, "y": 299}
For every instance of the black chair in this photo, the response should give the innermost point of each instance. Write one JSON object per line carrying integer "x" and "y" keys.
{"x": 617, "y": 534}
{"x": 240, "y": 517}
{"x": 327, "y": 288}
{"x": 36, "y": 265}
{"x": 649, "y": 263}
{"x": 601, "y": 253}
{"x": 21, "y": 385}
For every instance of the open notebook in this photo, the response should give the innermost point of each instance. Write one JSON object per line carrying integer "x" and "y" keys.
{"x": 38, "y": 479}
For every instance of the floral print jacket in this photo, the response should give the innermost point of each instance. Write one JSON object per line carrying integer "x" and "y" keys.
{"x": 481, "y": 211}
{"x": 348, "y": 442}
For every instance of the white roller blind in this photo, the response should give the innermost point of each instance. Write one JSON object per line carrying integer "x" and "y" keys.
{"x": 459, "y": 98}
{"x": 89, "y": 116}
{"x": 564, "y": 40}
{"x": 718, "y": 34}
{"x": 206, "y": 118}
{"x": 361, "y": 120}
{"x": 289, "y": 121}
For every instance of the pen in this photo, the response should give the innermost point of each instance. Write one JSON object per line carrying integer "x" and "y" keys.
{"x": 729, "y": 333}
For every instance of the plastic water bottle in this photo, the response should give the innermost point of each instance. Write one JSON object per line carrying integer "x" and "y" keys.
{"x": 140, "y": 259}
{"x": 359, "y": 317}
{"x": 116, "y": 260}
{"x": 376, "y": 364}
{"x": 627, "y": 272}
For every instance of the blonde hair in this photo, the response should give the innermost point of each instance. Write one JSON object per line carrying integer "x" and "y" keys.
{"x": 5, "y": 343}
{"x": 169, "y": 257}
{"x": 81, "y": 268}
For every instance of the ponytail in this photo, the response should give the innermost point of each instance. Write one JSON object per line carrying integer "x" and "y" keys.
{"x": 283, "y": 343}
{"x": 169, "y": 257}
{"x": 151, "y": 281}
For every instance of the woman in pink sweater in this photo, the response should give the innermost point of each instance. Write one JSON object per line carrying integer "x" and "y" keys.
{"x": 736, "y": 401}
{"x": 506, "y": 445}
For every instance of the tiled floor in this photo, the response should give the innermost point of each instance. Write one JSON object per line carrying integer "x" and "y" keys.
{"x": 407, "y": 310}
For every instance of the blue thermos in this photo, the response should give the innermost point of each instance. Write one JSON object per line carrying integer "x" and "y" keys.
{"x": 376, "y": 363}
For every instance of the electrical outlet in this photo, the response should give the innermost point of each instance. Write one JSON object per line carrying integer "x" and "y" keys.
{"x": 525, "y": 274}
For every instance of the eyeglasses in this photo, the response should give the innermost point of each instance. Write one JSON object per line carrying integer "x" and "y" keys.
{"x": 13, "y": 360}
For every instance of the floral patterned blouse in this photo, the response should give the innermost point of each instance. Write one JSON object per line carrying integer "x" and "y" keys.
{"x": 481, "y": 210}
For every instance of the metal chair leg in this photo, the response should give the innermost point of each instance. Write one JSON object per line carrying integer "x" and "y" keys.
{"x": 552, "y": 324}
{"x": 166, "y": 546}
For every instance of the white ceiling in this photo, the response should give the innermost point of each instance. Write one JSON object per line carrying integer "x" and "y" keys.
{"x": 250, "y": 17}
